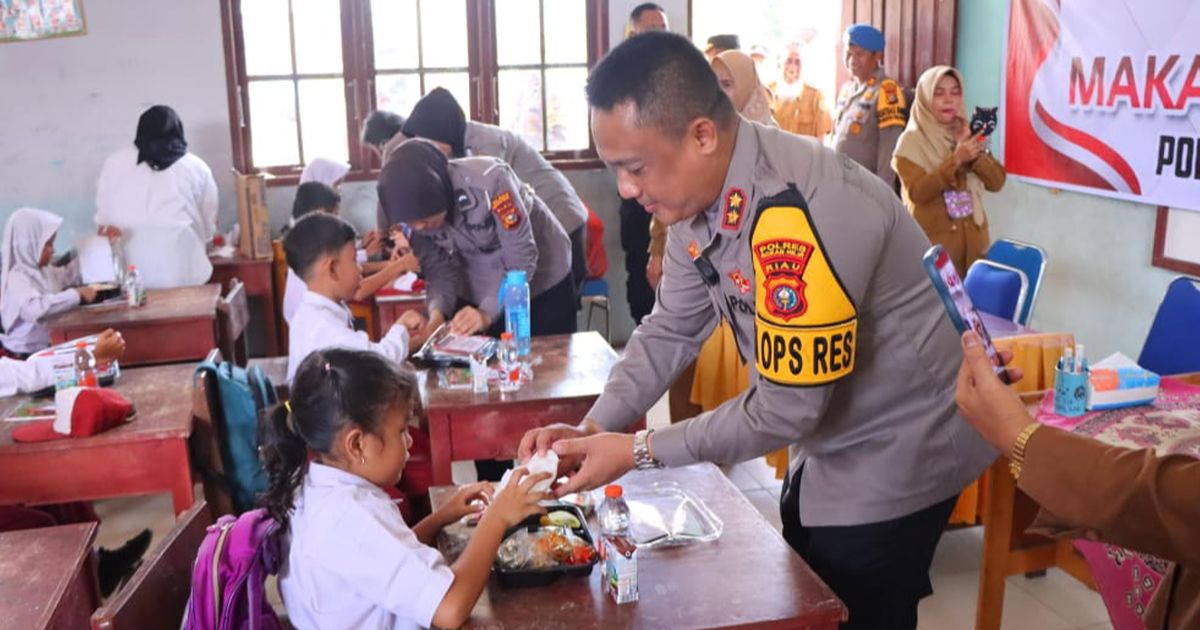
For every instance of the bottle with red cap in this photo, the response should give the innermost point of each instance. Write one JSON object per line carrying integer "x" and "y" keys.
{"x": 614, "y": 513}
{"x": 85, "y": 366}
{"x": 510, "y": 364}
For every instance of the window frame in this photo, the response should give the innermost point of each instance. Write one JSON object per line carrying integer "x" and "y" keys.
{"x": 358, "y": 76}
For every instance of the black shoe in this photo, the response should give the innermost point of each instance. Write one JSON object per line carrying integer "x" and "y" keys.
{"x": 117, "y": 564}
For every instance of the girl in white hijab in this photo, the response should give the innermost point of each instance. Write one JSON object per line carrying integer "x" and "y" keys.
{"x": 739, "y": 79}
{"x": 26, "y": 294}
{"x": 328, "y": 172}
{"x": 944, "y": 169}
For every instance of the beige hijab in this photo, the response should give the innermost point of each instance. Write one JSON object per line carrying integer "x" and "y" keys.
{"x": 927, "y": 142}
{"x": 749, "y": 94}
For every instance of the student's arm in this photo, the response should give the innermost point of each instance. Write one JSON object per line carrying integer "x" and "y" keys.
{"x": 394, "y": 345}
{"x": 36, "y": 304}
{"x": 518, "y": 247}
{"x": 923, "y": 187}
{"x": 441, "y": 272}
{"x": 209, "y": 203}
{"x": 1128, "y": 498}
{"x": 25, "y": 376}
{"x": 386, "y": 276}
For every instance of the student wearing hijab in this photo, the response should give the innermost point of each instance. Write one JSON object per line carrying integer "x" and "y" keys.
{"x": 944, "y": 169}
{"x": 473, "y": 221}
{"x": 156, "y": 190}
{"x": 438, "y": 117}
{"x": 739, "y": 80}
{"x": 26, "y": 294}
{"x": 326, "y": 171}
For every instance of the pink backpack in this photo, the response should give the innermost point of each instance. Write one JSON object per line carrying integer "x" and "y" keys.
{"x": 229, "y": 577}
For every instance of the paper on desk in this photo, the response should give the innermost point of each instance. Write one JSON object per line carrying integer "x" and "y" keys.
{"x": 405, "y": 282}
{"x": 1114, "y": 361}
{"x": 95, "y": 260}
{"x": 536, "y": 464}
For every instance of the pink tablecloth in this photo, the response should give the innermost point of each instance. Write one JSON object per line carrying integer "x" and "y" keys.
{"x": 1126, "y": 579}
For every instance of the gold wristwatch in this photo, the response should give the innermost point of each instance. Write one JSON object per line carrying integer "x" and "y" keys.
{"x": 1017, "y": 459}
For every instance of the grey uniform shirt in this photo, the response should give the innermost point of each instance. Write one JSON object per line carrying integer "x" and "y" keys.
{"x": 870, "y": 119}
{"x": 855, "y": 358}
{"x": 548, "y": 182}
{"x": 497, "y": 225}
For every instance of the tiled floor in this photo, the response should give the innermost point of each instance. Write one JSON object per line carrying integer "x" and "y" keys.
{"x": 1054, "y": 602}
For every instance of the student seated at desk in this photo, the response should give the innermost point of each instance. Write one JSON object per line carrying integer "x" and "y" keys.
{"x": 318, "y": 197}
{"x": 325, "y": 171}
{"x": 112, "y": 565}
{"x": 352, "y": 561}
{"x": 26, "y": 294}
{"x": 320, "y": 249}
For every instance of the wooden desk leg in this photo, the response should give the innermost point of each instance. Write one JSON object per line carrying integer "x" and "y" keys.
{"x": 440, "y": 457}
{"x": 270, "y": 324}
{"x": 182, "y": 495}
{"x": 997, "y": 534}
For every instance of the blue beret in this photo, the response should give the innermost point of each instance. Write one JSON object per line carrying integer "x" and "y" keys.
{"x": 866, "y": 37}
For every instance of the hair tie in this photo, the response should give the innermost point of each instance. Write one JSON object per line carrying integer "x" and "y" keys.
{"x": 287, "y": 404}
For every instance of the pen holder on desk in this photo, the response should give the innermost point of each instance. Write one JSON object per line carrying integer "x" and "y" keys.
{"x": 1070, "y": 393}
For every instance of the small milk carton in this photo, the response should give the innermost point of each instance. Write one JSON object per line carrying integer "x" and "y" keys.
{"x": 620, "y": 568}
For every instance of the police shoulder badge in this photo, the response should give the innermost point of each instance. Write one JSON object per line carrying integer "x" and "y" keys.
{"x": 506, "y": 210}
{"x": 735, "y": 205}
{"x": 806, "y": 323}
{"x": 889, "y": 107}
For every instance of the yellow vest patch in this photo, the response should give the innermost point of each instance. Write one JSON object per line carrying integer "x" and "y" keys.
{"x": 889, "y": 108}
{"x": 806, "y": 323}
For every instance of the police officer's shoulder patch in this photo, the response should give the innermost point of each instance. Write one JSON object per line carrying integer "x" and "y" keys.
{"x": 806, "y": 323}
{"x": 889, "y": 106}
{"x": 506, "y": 211}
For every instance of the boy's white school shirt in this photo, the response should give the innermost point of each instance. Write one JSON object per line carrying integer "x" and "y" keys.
{"x": 321, "y": 323}
{"x": 352, "y": 562}
{"x": 295, "y": 288}
{"x": 25, "y": 376}
{"x": 28, "y": 334}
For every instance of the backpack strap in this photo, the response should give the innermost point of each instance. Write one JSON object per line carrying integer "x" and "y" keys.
{"x": 261, "y": 387}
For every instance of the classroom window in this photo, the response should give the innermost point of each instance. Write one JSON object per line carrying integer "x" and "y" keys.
{"x": 304, "y": 74}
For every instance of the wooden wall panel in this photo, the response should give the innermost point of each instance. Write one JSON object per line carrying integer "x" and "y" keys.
{"x": 920, "y": 33}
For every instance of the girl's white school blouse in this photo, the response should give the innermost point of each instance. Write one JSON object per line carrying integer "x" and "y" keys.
{"x": 352, "y": 562}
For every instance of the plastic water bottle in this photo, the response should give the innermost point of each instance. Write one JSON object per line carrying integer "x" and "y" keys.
{"x": 614, "y": 512}
{"x": 135, "y": 291}
{"x": 510, "y": 364}
{"x": 85, "y": 366}
{"x": 514, "y": 296}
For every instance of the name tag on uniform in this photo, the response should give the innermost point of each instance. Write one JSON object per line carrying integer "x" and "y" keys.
{"x": 806, "y": 323}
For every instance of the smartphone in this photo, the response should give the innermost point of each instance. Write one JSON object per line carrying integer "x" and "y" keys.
{"x": 958, "y": 304}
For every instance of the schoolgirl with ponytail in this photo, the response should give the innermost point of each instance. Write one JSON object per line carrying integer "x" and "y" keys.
{"x": 352, "y": 561}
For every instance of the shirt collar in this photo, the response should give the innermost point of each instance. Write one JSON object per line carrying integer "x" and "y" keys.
{"x": 738, "y": 177}
{"x": 323, "y": 476}
{"x": 322, "y": 302}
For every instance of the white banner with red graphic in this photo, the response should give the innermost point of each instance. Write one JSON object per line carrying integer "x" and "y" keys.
{"x": 1103, "y": 97}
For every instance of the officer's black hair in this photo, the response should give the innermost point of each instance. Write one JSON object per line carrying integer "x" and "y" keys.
{"x": 312, "y": 196}
{"x": 316, "y": 235}
{"x": 381, "y": 126}
{"x": 666, "y": 78}
{"x": 637, "y": 12}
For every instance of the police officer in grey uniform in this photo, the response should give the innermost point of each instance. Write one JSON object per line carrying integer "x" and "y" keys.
{"x": 871, "y": 110}
{"x": 438, "y": 117}
{"x": 817, "y": 267}
{"x": 472, "y": 221}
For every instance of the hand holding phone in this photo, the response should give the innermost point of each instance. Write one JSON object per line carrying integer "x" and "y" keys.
{"x": 958, "y": 304}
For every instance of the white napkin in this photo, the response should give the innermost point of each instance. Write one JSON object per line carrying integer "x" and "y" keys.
{"x": 536, "y": 464}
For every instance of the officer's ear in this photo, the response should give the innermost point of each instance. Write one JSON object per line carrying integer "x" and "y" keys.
{"x": 705, "y": 135}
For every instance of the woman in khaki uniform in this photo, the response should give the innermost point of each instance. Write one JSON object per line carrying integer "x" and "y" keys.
{"x": 944, "y": 169}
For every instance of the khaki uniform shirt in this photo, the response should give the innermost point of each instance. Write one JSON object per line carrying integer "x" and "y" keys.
{"x": 817, "y": 267}
{"x": 870, "y": 118}
{"x": 497, "y": 225}
{"x": 548, "y": 182}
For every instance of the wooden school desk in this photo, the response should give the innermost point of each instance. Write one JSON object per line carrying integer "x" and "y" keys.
{"x": 48, "y": 577}
{"x": 145, "y": 456}
{"x": 748, "y": 578}
{"x": 464, "y": 425}
{"x": 173, "y": 325}
{"x": 381, "y": 310}
{"x": 256, "y": 275}
{"x": 1007, "y": 549}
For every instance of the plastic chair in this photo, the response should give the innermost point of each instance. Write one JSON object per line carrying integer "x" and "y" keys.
{"x": 997, "y": 289}
{"x": 595, "y": 294}
{"x": 1030, "y": 259}
{"x": 1173, "y": 344}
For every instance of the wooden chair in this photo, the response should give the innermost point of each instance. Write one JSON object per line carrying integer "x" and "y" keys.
{"x": 204, "y": 443}
{"x": 280, "y": 269}
{"x": 233, "y": 315}
{"x": 156, "y": 595}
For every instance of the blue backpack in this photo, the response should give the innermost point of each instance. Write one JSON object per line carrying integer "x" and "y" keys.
{"x": 235, "y": 403}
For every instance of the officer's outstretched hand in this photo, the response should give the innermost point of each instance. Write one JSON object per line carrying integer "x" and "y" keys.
{"x": 538, "y": 441}
{"x": 468, "y": 321}
{"x": 604, "y": 456}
